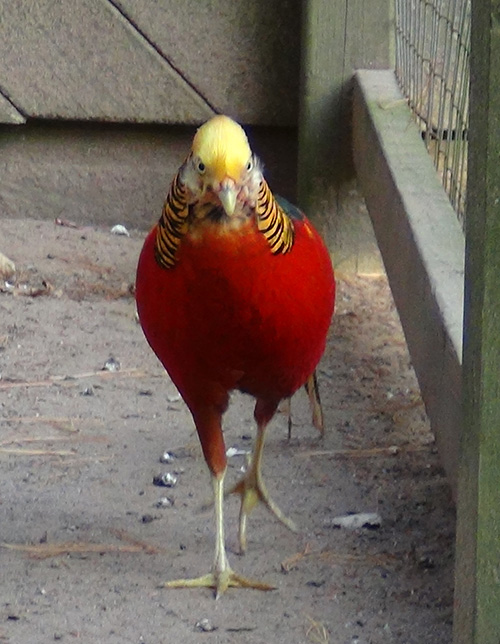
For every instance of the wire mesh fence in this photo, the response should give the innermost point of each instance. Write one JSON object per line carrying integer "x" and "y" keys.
{"x": 432, "y": 68}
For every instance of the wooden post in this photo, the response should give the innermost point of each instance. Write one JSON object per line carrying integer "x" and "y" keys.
{"x": 323, "y": 74}
{"x": 338, "y": 36}
{"x": 477, "y": 583}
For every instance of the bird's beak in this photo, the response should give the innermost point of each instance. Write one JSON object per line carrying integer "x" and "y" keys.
{"x": 227, "y": 196}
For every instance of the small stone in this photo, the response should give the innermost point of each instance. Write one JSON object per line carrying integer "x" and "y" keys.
{"x": 164, "y": 502}
{"x": 120, "y": 230}
{"x": 111, "y": 364}
{"x": 167, "y": 457}
{"x": 355, "y": 521}
{"x": 205, "y": 625}
{"x": 235, "y": 451}
{"x": 165, "y": 480}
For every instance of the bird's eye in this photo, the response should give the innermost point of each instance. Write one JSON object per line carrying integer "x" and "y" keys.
{"x": 201, "y": 167}
{"x": 249, "y": 166}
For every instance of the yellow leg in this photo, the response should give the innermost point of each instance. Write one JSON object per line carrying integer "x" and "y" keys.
{"x": 252, "y": 490}
{"x": 222, "y": 576}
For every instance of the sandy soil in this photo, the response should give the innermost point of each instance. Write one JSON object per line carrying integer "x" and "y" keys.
{"x": 86, "y": 537}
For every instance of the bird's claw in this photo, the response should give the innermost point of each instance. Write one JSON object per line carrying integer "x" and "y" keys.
{"x": 252, "y": 491}
{"x": 220, "y": 582}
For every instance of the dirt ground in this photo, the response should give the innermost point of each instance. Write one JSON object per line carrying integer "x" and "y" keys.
{"x": 86, "y": 537}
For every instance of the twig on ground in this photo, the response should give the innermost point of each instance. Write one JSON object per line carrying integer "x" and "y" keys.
{"x": 46, "y": 550}
{"x": 317, "y": 632}
{"x": 290, "y": 562}
{"x": 391, "y": 450}
{"x": 18, "y": 451}
{"x": 127, "y": 373}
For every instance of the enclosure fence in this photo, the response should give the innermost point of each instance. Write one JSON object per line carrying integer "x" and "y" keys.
{"x": 432, "y": 68}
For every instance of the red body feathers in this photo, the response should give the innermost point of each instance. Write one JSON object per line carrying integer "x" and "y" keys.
{"x": 230, "y": 315}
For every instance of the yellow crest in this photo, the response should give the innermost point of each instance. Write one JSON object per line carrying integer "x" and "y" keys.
{"x": 222, "y": 146}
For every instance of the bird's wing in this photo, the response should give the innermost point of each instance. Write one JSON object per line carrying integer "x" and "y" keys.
{"x": 292, "y": 211}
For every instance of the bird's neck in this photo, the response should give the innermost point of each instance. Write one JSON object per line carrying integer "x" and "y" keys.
{"x": 205, "y": 217}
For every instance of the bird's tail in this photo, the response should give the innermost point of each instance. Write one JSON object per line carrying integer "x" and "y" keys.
{"x": 312, "y": 389}
{"x": 311, "y": 386}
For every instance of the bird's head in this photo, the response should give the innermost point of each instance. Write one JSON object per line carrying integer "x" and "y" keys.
{"x": 221, "y": 167}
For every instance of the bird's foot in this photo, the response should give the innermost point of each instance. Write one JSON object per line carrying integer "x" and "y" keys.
{"x": 252, "y": 490}
{"x": 220, "y": 581}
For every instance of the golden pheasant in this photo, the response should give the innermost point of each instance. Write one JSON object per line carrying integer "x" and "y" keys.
{"x": 235, "y": 291}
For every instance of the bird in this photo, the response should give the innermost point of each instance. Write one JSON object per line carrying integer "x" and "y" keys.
{"x": 235, "y": 290}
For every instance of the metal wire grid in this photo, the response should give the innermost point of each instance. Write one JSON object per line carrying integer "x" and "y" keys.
{"x": 432, "y": 68}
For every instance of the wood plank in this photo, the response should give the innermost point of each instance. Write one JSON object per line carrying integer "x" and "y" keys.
{"x": 83, "y": 61}
{"x": 477, "y": 595}
{"x": 422, "y": 245}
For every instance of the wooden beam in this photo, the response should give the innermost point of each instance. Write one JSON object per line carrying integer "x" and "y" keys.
{"x": 422, "y": 245}
{"x": 337, "y": 37}
{"x": 323, "y": 75}
{"x": 477, "y": 587}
